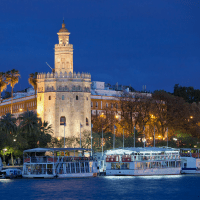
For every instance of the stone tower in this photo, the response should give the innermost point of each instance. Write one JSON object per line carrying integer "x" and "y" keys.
{"x": 64, "y": 95}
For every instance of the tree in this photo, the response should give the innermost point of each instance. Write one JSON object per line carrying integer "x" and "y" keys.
{"x": 29, "y": 127}
{"x": 8, "y": 129}
{"x": 3, "y": 84}
{"x": 45, "y": 133}
{"x": 33, "y": 81}
{"x": 189, "y": 94}
{"x": 33, "y": 130}
{"x": 12, "y": 78}
{"x": 136, "y": 111}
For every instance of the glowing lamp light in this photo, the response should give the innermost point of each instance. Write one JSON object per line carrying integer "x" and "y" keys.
{"x": 20, "y": 109}
{"x": 58, "y": 138}
{"x": 191, "y": 117}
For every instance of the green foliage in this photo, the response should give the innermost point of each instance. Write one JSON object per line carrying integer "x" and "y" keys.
{"x": 189, "y": 94}
{"x": 33, "y": 81}
{"x": 179, "y": 134}
{"x": 30, "y": 133}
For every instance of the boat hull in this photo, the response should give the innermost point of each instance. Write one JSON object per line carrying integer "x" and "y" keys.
{"x": 144, "y": 172}
{"x": 75, "y": 175}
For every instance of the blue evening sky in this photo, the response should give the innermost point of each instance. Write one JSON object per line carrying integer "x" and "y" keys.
{"x": 133, "y": 42}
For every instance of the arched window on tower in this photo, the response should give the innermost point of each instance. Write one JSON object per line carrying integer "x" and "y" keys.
{"x": 87, "y": 123}
{"x": 62, "y": 120}
{"x": 76, "y": 97}
{"x": 49, "y": 97}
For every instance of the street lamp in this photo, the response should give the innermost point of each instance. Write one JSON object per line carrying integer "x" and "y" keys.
{"x": 144, "y": 140}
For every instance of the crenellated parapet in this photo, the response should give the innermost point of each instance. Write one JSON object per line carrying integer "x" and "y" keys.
{"x": 55, "y": 75}
{"x": 63, "y": 82}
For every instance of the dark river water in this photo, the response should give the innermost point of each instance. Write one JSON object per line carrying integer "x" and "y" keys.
{"x": 179, "y": 187}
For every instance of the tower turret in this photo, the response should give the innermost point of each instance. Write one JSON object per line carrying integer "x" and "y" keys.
{"x": 63, "y": 52}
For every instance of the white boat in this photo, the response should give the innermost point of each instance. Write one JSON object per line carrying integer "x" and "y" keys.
{"x": 11, "y": 173}
{"x": 58, "y": 162}
{"x": 190, "y": 161}
{"x": 143, "y": 161}
{"x": 1, "y": 164}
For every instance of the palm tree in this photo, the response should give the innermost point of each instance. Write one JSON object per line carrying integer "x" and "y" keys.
{"x": 8, "y": 127}
{"x": 46, "y": 128}
{"x": 29, "y": 128}
{"x": 3, "y": 84}
{"x": 12, "y": 78}
{"x": 29, "y": 123}
{"x": 33, "y": 81}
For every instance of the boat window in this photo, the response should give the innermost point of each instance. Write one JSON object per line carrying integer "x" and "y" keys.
{"x": 113, "y": 165}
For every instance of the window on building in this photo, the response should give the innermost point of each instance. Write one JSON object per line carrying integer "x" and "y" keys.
{"x": 91, "y": 104}
{"x": 87, "y": 98}
{"x": 106, "y": 105}
{"x": 40, "y": 98}
{"x": 111, "y": 105}
{"x": 63, "y": 97}
{"x": 62, "y": 120}
{"x": 87, "y": 123}
{"x": 76, "y": 97}
{"x": 49, "y": 97}
{"x": 96, "y": 104}
{"x": 116, "y": 105}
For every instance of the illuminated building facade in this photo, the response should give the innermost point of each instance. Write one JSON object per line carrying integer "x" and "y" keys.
{"x": 64, "y": 95}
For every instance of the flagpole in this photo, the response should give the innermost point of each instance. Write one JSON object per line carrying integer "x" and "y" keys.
{"x": 91, "y": 138}
{"x": 134, "y": 136}
{"x": 64, "y": 135}
{"x": 144, "y": 137}
{"x": 114, "y": 138}
{"x": 123, "y": 138}
{"x": 167, "y": 136}
{"x": 102, "y": 141}
{"x": 154, "y": 138}
{"x": 80, "y": 135}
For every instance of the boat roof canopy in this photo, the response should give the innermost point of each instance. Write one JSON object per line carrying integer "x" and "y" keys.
{"x": 55, "y": 149}
{"x": 140, "y": 150}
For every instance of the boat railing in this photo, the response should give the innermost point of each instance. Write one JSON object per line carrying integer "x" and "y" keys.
{"x": 130, "y": 158}
{"x": 49, "y": 159}
{"x": 38, "y": 171}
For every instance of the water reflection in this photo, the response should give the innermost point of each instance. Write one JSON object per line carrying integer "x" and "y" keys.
{"x": 119, "y": 177}
{"x": 161, "y": 177}
{"x": 6, "y": 181}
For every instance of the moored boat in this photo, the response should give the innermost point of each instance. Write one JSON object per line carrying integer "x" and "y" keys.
{"x": 190, "y": 161}
{"x": 11, "y": 173}
{"x": 143, "y": 161}
{"x": 59, "y": 163}
{"x": 1, "y": 164}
